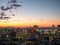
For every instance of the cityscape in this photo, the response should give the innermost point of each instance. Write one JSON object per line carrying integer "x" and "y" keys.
{"x": 29, "y": 22}
{"x": 34, "y": 35}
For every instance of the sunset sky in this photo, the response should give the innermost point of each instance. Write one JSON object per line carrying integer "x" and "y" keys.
{"x": 39, "y": 12}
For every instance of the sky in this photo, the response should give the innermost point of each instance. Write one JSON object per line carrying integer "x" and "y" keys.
{"x": 33, "y": 12}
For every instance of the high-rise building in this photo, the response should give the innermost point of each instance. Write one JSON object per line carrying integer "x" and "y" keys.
{"x": 58, "y": 31}
{"x": 53, "y": 31}
{"x": 58, "y": 27}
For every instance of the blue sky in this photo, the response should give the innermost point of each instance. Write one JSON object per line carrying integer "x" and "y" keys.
{"x": 37, "y": 10}
{"x": 42, "y": 9}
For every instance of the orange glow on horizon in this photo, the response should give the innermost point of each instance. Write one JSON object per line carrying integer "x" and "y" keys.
{"x": 28, "y": 24}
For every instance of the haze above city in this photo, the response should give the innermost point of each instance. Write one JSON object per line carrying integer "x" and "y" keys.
{"x": 34, "y": 12}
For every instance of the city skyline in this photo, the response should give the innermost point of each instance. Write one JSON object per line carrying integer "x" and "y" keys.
{"x": 34, "y": 12}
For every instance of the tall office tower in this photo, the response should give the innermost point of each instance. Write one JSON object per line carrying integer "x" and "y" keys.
{"x": 58, "y": 31}
{"x": 53, "y": 29}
